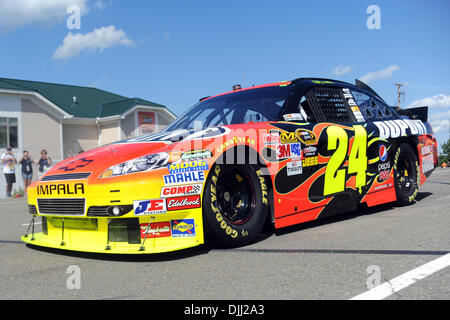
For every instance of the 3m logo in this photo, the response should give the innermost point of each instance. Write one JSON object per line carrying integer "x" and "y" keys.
{"x": 148, "y": 207}
{"x": 290, "y": 150}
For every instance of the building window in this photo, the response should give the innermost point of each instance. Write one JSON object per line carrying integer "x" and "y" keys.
{"x": 8, "y": 132}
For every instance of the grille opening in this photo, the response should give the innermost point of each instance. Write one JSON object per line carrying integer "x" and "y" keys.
{"x": 68, "y": 176}
{"x": 62, "y": 206}
{"x": 124, "y": 230}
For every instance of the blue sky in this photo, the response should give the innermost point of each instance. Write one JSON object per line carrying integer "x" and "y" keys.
{"x": 175, "y": 52}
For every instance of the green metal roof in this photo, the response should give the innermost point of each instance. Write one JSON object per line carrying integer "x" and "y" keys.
{"x": 90, "y": 102}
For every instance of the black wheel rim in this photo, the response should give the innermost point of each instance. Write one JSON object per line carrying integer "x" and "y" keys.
{"x": 235, "y": 195}
{"x": 405, "y": 174}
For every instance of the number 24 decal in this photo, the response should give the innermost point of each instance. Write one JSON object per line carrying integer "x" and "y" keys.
{"x": 335, "y": 176}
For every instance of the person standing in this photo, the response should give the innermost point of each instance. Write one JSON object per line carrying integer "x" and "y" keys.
{"x": 44, "y": 162}
{"x": 27, "y": 170}
{"x": 9, "y": 163}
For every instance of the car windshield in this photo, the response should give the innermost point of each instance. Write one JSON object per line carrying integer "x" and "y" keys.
{"x": 257, "y": 105}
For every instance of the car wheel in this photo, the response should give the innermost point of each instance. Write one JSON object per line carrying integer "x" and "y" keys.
{"x": 235, "y": 205}
{"x": 406, "y": 174}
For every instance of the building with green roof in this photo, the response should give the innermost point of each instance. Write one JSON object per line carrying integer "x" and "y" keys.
{"x": 64, "y": 119}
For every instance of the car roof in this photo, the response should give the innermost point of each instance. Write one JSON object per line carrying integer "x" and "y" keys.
{"x": 309, "y": 81}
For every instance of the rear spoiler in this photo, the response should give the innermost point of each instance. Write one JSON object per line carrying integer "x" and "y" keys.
{"x": 419, "y": 113}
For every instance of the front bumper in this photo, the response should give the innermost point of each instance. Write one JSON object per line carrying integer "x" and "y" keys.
{"x": 127, "y": 234}
{"x": 108, "y": 236}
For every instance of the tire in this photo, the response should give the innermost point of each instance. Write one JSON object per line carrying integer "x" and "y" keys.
{"x": 235, "y": 205}
{"x": 406, "y": 174}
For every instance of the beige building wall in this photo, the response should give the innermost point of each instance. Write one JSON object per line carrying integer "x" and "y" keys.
{"x": 109, "y": 132}
{"x": 163, "y": 121}
{"x": 128, "y": 126}
{"x": 40, "y": 130}
{"x": 79, "y": 137}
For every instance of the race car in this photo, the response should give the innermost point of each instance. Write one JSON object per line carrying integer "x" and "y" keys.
{"x": 278, "y": 154}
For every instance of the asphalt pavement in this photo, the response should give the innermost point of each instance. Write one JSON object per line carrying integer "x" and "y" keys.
{"x": 339, "y": 258}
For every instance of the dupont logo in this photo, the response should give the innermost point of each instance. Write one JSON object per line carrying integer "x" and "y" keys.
{"x": 182, "y": 203}
{"x": 383, "y": 153}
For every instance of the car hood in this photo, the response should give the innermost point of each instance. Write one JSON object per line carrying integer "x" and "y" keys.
{"x": 96, "y": 161}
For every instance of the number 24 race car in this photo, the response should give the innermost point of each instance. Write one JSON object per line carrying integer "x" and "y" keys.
{"x": 281, "y": 154}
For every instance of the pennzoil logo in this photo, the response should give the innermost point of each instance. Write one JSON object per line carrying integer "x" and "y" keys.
{"x": 60, "y": 189}
{"x": 306, "y": 136}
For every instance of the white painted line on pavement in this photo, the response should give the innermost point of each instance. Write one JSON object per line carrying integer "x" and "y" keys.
{"x": 27, "y": 224}
{"x": 388, "y": 288}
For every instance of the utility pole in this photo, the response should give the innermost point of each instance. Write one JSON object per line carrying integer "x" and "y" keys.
{"x": 399, "y": 93}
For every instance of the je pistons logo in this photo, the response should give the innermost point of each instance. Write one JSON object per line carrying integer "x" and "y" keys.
{"x": 80, "y": 163}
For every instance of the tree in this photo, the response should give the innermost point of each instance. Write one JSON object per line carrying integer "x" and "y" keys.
{"x": 444, "y": 156}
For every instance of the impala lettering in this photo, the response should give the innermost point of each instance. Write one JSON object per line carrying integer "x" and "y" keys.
{"x": 60, "y": 189}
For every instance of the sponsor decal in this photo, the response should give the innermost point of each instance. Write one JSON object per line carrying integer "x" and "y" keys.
{"x": 426, "y": 149}
{"x": 384, "y": 169}
{"x": 235, "y": 141}
{"x": 271, "y": 139}
{"x": 396, "y": 128}
{"x": 79, "y": 163}
{"x": 184, "y": 178}
{"x": 288, "y": 137}
{"x": 383, "y": 153}
{"x": 294, "y": 168}
{"x": 353, "y": 106}
{"x": 310, "y": 151}
{"x": 306, "y": 136}
{"x": 291, "y": 150}
{"x": 65, "y": 189}
{"x": 196, "y": 155}
{"x": 182, "y": 203}
{"x": 149, "y": 207}
{"x": 195, "y": 165}
{"x": 186, "y": 190}
{"x": 321, "y": 82}
{"x": 383, "y": 176}
{"x": 183, "y": 228}
{"x": 293, "y": 117}
{"x": 310, "y": 161}
{"x": 156, "y": 230}
{"x": 428, "y": 162}
{"x": 383, "y": 186}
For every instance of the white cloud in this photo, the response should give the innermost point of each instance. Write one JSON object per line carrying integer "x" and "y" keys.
{"x": 440, "y": 126}
{"x": 380, "y": 74}
{"x": 16, "y": 14}
{"x": 99, "y": 5}
{"x": 97, "y": 40}
{"x": 439, "y": 101}
{"x": 341, "y": 70}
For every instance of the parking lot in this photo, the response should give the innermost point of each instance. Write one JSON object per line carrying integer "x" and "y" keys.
{"x": 343, "y": 257}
